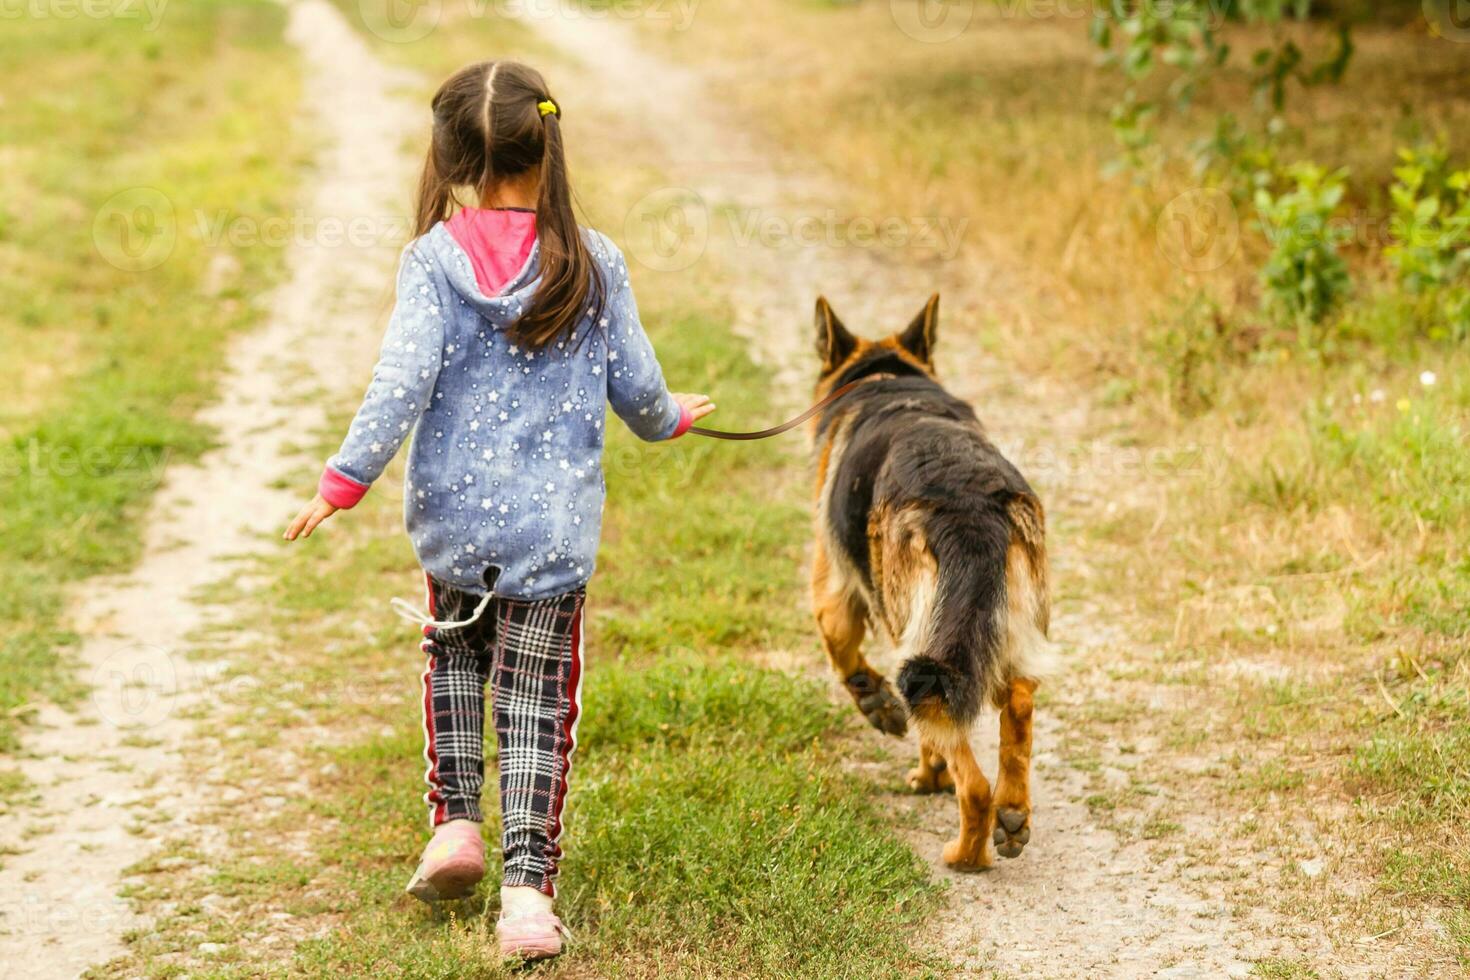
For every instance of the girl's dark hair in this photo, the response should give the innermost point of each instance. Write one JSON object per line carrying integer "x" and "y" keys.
{"x": 489, "y": 126}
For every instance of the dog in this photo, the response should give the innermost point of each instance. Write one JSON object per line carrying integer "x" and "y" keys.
{"x": 925, "y": 529}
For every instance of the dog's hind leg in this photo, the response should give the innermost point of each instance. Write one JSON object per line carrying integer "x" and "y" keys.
{"x": 967, "y": 852}
{"x": 842, "y": 621}
{"x": 1013, "y": 787}
{"x": 932, "y": 774}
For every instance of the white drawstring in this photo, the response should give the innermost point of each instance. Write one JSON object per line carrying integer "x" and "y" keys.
{"x": 408, "y": 611}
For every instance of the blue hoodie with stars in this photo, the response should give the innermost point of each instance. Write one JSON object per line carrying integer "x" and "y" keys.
{"x": 505, "y": 479}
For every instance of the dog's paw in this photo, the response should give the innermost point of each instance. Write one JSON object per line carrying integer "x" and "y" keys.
{"x": 885, "y": 711}
{"x": 878, "y": 702}
{"x": 922, "y": 779}
{"x": 963, "y": 855}
{"x": 1012, "y": 831}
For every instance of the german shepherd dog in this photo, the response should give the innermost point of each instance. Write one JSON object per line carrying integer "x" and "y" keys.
{"x": 924, "y": 528}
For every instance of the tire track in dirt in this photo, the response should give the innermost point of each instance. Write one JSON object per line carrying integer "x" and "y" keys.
{"x": 1081, "y": 902}
{"x": 110, "y": 776}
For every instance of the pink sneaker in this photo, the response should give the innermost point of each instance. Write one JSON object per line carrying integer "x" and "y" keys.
{"x": 453, "y": 863}
{"x": 531, "y": 937}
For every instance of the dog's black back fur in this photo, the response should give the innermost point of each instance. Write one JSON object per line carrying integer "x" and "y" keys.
{"x": 911, "y": 444}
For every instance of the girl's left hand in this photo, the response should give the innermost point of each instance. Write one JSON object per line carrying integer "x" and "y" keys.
{"x": 311, "y": 515}
{"x": 698, "y": 406}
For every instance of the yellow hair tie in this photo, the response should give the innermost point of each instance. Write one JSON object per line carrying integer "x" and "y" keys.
{"x": 548, "y": 108}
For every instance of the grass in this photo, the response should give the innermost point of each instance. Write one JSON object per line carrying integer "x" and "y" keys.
{"x": 1283, "y": 969}
{"x": 118, "y": 133}
{"x": 1322, "y": 540}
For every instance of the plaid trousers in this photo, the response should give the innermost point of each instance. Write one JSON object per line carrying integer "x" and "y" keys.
{"x": 529, "y": 654}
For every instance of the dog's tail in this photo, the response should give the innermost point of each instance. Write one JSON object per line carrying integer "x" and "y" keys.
{"x": 986, "y": 615}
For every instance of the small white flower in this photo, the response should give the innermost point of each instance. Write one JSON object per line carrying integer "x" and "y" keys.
{"x": 1376, "y": 396}
{"x": 1427, "y": 379}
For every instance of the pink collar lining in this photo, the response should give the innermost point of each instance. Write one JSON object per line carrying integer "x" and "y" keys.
{"x": 497, "y": 241}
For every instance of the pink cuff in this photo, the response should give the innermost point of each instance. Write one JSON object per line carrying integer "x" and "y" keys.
{"x": 685, "y": 421}
{"x": 340, "y": 491}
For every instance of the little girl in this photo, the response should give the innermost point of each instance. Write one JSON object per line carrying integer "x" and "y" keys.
{"x": 513, "y": 327}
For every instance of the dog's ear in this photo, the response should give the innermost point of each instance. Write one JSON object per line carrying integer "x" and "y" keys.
{"x": 834, "y": 343}
{"x": 918, "y": 337}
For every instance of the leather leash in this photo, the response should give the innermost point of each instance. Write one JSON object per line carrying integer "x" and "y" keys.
{"x": 787, "y": 426}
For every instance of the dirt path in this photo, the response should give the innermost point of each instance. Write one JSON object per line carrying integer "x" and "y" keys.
{"x": 1083, "y": 901}
{"x": 108, "y": 774}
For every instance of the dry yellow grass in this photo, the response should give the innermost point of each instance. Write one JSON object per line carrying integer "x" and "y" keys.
{"x": 1007, "y": 125}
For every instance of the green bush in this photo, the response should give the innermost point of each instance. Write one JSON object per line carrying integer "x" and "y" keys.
{"x": 1431, "y": 230}
{"x": 1184, "y": 41}
{"x": 1305, "y": 278}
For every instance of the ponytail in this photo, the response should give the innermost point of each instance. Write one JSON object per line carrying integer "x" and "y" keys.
{"x": 452, "y": 159}
{"x": 571, "y": 284}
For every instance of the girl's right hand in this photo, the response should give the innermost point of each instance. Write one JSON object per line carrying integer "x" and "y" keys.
{"x": 311, "y": 515}
{"x": 698, "y": 406}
